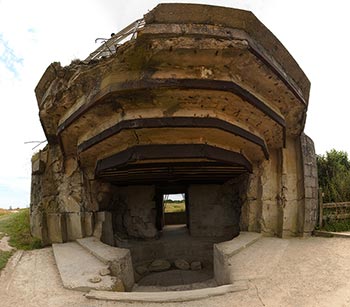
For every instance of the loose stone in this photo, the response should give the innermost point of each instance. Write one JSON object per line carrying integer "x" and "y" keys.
{"x": 95, "y": 279}
{"x": 142, "y": 269}
{"x": 182, "y": 264}
{"x": 159, "y": 265}
{"x": 104, "y": 272}
{"x": 119, "y": 286}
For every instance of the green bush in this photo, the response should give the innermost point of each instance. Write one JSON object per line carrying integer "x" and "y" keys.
{"x": 336, "y": 226}
{"x": 334, "y": 176}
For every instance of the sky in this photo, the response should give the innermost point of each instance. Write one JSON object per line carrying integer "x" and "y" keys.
{"x": 35, "y": 33}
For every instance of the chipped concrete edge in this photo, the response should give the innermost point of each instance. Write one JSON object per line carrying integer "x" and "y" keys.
{"x": 246, "y": 242}
{"x": 167, "y": 296}
{"x": 244, "y": 246}
{"x": 330, "y": 234}
{"x": 7, "y": 271}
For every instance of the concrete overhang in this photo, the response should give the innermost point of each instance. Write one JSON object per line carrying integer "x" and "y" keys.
{"x": 195, "y": 74}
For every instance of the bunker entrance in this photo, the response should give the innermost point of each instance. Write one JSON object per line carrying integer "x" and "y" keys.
{"x": 171, "y": 229}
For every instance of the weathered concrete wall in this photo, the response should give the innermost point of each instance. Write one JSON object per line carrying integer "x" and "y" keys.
{"x": 62, "y": 202}
{"x": 215, "y": 209}
{"x": 290, "y": 194}
{"x": 134, "y": 211}
{"x": 309, "y": 210}
{"x": 282, "y": 192}
{"x": 175, "y": 218}
{"x": 251, "y": 208}
{"x": 262, "y": 210}
{"x": 271, "y": 209}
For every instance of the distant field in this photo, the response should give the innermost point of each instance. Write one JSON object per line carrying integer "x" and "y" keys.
{"x": 3, "y": 211}
{"x": 174, "y": 206}
{"x": 6, "y": 211}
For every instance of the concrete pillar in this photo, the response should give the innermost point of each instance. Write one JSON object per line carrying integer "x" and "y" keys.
{"x": 56, "y": 225}
{"x": 74, "y": 226}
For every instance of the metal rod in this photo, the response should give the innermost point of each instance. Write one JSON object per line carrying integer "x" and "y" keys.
{"x": 109, "y": 45}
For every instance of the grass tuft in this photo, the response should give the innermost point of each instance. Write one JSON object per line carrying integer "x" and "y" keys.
{"x": 4, "y": 257}
{"x": 17, "y": 227}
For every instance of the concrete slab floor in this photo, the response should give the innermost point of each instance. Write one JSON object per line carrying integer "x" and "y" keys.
{"x": 174, "y": 243}
{"x": 297, "y": 272}
{"x": 176, "y": 278}
{"x": 77, "y": 267}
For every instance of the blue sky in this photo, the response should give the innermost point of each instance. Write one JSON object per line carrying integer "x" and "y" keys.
{"x": 8, "y": 58}
{"x": 35, "y": 33}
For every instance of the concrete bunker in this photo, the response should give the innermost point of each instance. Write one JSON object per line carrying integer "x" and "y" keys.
{"x": 204, "y": 101}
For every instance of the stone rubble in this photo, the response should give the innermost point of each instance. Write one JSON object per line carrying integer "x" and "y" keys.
{"x": 142, "y": 269}
{"x": 119, "y": 286}
{"x": 182, "y": 264}
{"x": 105, "y": 271}
{"x": 159, "y": 265}
{"x": 95, "y": 279}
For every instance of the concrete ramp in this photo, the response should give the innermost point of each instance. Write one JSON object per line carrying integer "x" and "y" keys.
{"x": 78, "y": 268}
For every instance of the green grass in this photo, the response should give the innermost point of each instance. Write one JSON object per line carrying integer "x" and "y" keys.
{"x": 174, "y": 207}
{"x": 336, "y": 226}
{"x": 4, "y": 257}
{"x": 17, "y": 227}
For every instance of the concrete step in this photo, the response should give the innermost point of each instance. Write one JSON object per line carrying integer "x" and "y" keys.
{"x": 103, "y": 252}
{"x": 234, "y": 246}
{"x": 167, "y": 296}
{"x": 223, "y": 253}
{"x": 77, "y": 266}
{"x": 118, "y": 260}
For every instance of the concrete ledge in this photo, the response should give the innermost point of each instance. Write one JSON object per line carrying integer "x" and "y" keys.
{"x": 225, "y": 250}
{"x": 331, "y": 234}
{"x": 234, "y": 246}
{"x": 167, "y": 296}
{"x": 117, "y": 259}
{"x": 76, "y": 267}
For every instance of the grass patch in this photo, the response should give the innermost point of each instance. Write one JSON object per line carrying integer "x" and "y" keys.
{"x": 4, "y": 257}
{"x": 17, "y": 227}
{"x": 171, "y": 207}
{"x": 337, "y": 226}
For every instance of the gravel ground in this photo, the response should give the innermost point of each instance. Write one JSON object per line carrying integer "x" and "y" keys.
{"x": 280, "y": 272}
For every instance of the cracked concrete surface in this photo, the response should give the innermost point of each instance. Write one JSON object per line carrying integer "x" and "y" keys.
{"x": 280, "y": 272}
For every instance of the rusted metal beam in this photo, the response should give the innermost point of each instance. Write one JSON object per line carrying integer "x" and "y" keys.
{"x": 163, "y": 174}
{"x": 142, "y": 153}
